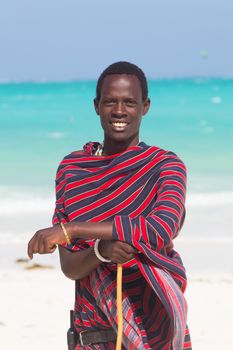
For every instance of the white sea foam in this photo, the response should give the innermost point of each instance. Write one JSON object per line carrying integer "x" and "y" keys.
{"x": 26, "y": 205}
{"x": 16, "y": 200}
{"x": 22, "y": 213}
{"x": 56, "y": 135}
{"x": 28, "y": 202}
{"x": 210, "y": 199}
{"x": 216, "y": 99}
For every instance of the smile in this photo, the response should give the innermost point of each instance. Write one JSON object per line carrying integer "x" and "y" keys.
{"x": 119, "y": 124}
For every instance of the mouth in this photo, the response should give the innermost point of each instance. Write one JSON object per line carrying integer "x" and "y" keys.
{"x": 119, "y": 125}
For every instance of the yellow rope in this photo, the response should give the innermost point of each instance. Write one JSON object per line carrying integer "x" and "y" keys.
{"x": 119, "y": 308}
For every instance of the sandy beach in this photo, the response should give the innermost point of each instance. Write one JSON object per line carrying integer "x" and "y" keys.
{"x": 35, "y": 302}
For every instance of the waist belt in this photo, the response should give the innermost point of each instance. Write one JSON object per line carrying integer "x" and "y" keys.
{"x": 93, "y": 337}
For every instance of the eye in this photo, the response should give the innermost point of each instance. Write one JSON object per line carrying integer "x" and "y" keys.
{"x": 108, "y": 102}
{"x": 130, "y": 103}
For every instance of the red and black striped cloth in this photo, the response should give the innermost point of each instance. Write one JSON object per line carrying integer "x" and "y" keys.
{"x": 142, "y": 191}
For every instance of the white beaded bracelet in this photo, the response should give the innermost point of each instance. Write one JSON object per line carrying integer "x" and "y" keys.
{"x": 97, "y": 253}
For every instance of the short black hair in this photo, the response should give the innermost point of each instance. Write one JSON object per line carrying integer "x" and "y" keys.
{"x": 123, "y": 67}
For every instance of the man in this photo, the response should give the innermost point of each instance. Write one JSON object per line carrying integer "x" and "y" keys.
{"x": 121, "y": 202}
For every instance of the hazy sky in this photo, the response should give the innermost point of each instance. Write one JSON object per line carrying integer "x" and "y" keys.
{"x": 77, "y": 39}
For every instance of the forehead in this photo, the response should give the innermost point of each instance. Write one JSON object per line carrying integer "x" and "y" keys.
{"x": 121, "y": 84}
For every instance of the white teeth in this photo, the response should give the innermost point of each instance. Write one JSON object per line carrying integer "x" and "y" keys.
{"x": 120, "y": 124}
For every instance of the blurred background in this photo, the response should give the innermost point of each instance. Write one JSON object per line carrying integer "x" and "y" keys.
{"x": 52, "y": 52}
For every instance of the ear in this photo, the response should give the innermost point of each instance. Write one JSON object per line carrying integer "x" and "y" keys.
{"x": 96, "y": 105}
{"x": 146, "y": 106}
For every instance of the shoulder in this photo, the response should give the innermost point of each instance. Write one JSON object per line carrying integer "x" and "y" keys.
{"x": 166, "y": 157}
{"x": 160, "y": 152}
{"x": 68, "y": 161}
{"x": 71, "y": 157}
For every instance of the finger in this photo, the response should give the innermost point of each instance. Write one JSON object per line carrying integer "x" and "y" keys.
{"x": 41, "y": 245}
{"x": 119, "y": 253}
{"x": 121, "y": 260}
{"x": 125, "y": 256}
{"x": 49, "y": 247}
{"x": 30, "y": 253}
{"x": 128, "y": 248}
{"x": 53, "y": 249}
{"x": 36, "y": 245}
{"x": 122, "y": 257}
{"x": 45, "y": 246}
{"x": 32, "y": 247}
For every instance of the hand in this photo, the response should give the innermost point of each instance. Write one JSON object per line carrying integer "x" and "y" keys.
{"x": 117, "y": 251}
{"x": 45, "y": 241}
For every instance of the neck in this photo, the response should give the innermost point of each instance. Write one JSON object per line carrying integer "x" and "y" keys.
{"x": 113, "y": 147}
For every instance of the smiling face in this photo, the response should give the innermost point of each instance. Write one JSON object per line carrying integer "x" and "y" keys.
{"x": 121, "y": 108}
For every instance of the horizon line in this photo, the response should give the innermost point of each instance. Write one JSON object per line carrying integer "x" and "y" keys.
{"x": 4, "y": 81}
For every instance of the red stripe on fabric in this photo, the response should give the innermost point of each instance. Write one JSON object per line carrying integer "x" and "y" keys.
{"x": 108, "y": 213}
{"x": 124, "y": 204}
{"x": 90, "y": 193}
{"x": 119, "y": 228}
{"x": 165, "y": 226}
{"x": 60, "y": 185}
{"x": 188, "y": 345}
{"x": 143, "y": 226}
{"x": 167, "y": 209}
{"x": 160, "y": 242}
{"x": 66, "y": 168}
{"x": 172, "y": 193}
{"x": 163, "y": 287}
{"x": 172, "y": 183}
{"x": 173, "y": 297}
{"x": 156, "y": 275}
{"x": 172, "y": 173}
{"x": 145, "y": 202}
{"x": 177, "y": 277}
{"x": 172, "y": 200}
{"x": 176, "y": 163}
{"x": 163, "y": 258}
{"x": 109, "y": 197}
{"x": 122, "y": 165}
{"x": 124, "y": 187}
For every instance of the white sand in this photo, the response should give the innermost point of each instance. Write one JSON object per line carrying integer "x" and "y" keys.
{"x": 35, "y": 304}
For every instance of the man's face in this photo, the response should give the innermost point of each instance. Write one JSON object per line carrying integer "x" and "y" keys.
{"x": 121, "y": 108}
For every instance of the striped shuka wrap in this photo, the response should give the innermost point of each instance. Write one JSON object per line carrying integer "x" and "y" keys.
{"x": 142, "y": 191}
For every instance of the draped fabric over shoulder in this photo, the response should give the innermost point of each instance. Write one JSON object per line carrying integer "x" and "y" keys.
{"x": 142, "y": 191}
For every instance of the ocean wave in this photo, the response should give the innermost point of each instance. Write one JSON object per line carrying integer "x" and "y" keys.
{"x": 210, "y": 199}
{"x": 26, "y": 205}
{"x": 216, "y": 99}
{"x": 25, "y": 200}
{"x": 8, "y": 238}
{"x": 56, "y": 135}
{"x": 28, "y": 202}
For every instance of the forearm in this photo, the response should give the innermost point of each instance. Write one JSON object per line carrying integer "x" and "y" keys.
{"x": 89, "y": 230}
{"x": 76, "y": 265}
{"x": 45, "y": 241}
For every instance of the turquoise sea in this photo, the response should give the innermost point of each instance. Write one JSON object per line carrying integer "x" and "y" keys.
{"x": 42, "y": 122}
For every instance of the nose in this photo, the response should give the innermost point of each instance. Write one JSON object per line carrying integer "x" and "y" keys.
{"x": 119, "y": 109}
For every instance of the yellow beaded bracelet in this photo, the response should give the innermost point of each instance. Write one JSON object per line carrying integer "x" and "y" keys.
{"x": 65, "y": 233}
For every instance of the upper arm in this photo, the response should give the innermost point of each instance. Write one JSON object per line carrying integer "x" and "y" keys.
{"x": 167, "y": 212}
{"x": 70, "y": 262}
{"x": 65, "y": 257}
